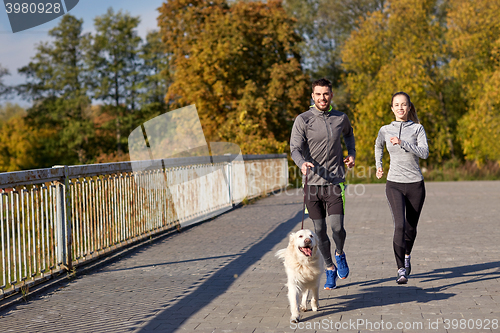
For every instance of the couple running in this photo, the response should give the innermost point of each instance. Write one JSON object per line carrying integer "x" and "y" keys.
{"x": 316, "y": 149}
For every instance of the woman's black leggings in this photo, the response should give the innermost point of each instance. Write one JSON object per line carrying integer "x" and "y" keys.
{"x": 405, "y": 201}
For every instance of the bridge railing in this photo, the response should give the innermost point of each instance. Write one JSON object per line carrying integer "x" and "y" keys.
{"x": 55, "y": 219}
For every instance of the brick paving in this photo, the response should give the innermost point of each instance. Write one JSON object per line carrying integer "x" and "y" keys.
{"x": 222, "y": 276}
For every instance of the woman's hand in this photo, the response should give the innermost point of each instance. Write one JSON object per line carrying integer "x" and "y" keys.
{"x": 395, "y": 141}
{"x": 380, "y": 173}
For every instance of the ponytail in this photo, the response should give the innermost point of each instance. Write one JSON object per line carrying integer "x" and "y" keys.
{"x": 412, "y": 115}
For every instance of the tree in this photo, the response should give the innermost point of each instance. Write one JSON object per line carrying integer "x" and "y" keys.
{"x": 57, "y": 85}
{"x": 473, "y": 34}
{"x": 4, "y": 90}
{"x": 113, "y": 60}
{"x": 19, "y": 143}
{"x": 156, "y": 76}
{"x": 9, "y": 110}
{"x": 240, "y": 65}
{"x": 402, "y": 47}
{"x": 325, "y": 25}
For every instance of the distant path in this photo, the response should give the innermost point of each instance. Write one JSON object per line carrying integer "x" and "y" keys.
{"x": 222, "y": 276}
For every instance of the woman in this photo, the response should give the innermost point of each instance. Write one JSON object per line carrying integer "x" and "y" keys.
{"x": 406, "y": 142}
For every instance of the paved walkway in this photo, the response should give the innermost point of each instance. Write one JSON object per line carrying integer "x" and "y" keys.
{"x": 222, "y": 276}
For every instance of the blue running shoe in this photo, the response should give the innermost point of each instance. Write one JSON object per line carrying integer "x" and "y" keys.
{"x": 331, "y": 279}
{"x": 342, "y": 268}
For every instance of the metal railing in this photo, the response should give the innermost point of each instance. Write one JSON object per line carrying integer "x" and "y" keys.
{"x": 54, "y": 219}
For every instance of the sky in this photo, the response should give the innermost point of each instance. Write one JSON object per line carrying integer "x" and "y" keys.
{"x": 17, "y": 49}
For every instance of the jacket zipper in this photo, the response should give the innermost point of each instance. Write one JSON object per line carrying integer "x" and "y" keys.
{"x": 329, "y": 135}
{"x": 399, "y": 136}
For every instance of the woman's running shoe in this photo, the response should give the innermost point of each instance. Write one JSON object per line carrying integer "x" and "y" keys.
{"x": 402, "y": 279}
{"x": 407, "y": 265}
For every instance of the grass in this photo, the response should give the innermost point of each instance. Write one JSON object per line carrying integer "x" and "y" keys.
{"x": 25, "y": 290}
{"x": 71, "y": 274}
{"x": 455, "y": 171}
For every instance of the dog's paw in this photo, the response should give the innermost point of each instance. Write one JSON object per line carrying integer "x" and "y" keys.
{"x": 303, "y": 308}
{"x": 294, "y": 319}
{"x": 314, "y": 305}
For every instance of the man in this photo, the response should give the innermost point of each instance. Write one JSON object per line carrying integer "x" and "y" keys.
{"x": 315, "y": 144}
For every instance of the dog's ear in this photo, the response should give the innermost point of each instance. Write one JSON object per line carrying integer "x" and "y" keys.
{"x": 291, "y": 240}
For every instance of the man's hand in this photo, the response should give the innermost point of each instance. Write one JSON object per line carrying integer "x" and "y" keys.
{"x": 306, "y": 165}
{"x": 349, "y": 161}
{"x": 380, "y": 173}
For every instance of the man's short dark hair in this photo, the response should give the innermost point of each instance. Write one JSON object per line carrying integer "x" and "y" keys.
{"x": 322, "y": 83}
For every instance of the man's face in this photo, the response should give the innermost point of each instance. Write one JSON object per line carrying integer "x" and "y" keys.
{"x": 322, "y": 97}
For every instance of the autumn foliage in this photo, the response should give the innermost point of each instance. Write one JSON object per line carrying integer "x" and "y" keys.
{"x": 240, "y": 66}
{"x": 474, "y": 35}
{"x": 445, "y": 55}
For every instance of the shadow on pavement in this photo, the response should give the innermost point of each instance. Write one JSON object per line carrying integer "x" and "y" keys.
{"x": 375, "y": 295}
{"x": 219, "y": 282}
{"x": 168, "y": 262}
{"x": 380, "y": 296}
{"x": 473, "y": 273}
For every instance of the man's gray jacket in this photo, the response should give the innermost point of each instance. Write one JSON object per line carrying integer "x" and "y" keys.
{"x": 316, "y": 139}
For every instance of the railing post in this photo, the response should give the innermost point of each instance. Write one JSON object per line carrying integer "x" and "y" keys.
{"x": 67, "y": 219}
{"x": 63, "y": 219}
{"x": 230, "y": 181}
{"x": 60, "y": 223}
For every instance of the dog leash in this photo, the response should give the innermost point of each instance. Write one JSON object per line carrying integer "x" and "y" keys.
{"x": 304, "y": 205}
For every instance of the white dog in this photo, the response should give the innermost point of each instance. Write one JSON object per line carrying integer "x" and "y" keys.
{"x": 304, "y": 265}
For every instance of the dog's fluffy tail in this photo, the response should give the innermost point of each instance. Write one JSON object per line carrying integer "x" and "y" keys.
{"x": 280, "y": 253}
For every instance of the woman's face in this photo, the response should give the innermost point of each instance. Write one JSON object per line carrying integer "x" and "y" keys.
{"x": 401, "y": 107}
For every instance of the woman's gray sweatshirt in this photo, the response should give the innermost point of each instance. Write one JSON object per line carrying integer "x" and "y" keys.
{"x": 404, "y": 167}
